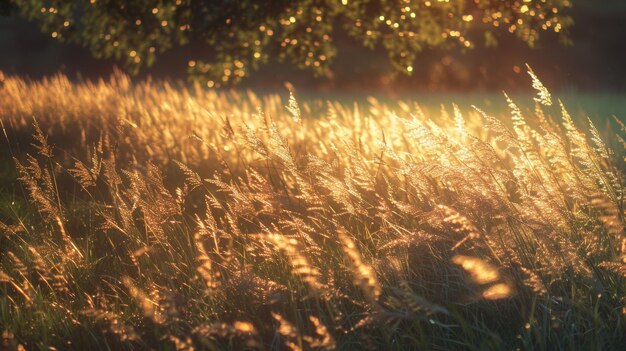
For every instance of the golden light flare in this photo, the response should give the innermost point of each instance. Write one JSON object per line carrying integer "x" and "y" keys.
{"x": 480, "y": 270}
{"x": 497, "y": 292}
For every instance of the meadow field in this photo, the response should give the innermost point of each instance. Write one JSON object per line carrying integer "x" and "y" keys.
{"x": 152, "y": 216}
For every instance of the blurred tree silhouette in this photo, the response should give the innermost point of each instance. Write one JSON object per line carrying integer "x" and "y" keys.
{"x": 5, "y": 7}
{"x": 238, "y": 36}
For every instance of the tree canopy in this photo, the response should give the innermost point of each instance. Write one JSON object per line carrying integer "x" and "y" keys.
{"x": 237, "y": 37}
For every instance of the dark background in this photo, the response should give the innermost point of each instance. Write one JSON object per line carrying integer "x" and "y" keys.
{"x": 596, "y": 62}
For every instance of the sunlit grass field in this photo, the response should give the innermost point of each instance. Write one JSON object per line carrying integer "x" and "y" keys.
{"x": 146, "y": 216}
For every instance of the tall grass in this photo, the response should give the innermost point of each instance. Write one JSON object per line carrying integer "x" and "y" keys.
{"x": 152, "y": 216}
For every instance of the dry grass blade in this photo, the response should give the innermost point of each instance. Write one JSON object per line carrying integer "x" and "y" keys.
{"x": 543, "y": 95}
